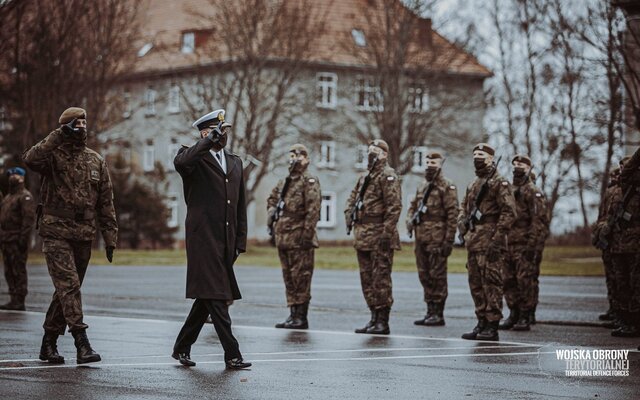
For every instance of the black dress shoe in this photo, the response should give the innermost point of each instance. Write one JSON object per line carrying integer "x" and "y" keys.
{"x": 237, "y": 363}
{"x": 184, "y": 358}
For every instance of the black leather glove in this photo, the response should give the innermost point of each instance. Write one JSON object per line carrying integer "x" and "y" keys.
{"x": 385, "y": 244}
{"x": 235, "y": 257}
{"x": 446, "y": 249}
{"x": 494, "y": 251}
{"x": 109, "y": 251}
{"x": 69, "y": 128}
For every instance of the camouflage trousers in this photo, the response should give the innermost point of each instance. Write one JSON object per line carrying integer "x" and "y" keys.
{"x": 297, "y": 271}
{"x": 610, "y": 279}
{"x": 485, "y": 283}
{"x": 67, "y": 262}
{"x": 432, "y": 272}
{"x": 517, "y": 278}
{"x": 15, "y": 267}
{"x": 536, "y": 276}
{"x": 375, "y": 278}
{"x": 627, "y": 270}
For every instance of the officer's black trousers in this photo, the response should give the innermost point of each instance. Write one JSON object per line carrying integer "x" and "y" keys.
{"x": 219, "y": 311}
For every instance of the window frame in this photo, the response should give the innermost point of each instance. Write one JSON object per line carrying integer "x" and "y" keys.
{"x": 173, "y": 100}
{"x": 364, "y": 149}
{"x": 327, "y": 158}
{"x": 150, "y": 97}
{"x": 331, "y": 213}
{"x": 327, "y": 89}
{"x": 173, "y": 204}
{"x": 366, "y": 86}
{"x": 148, "y": 162}
{"x": 421, "y": 164}
{"x": 423, "y": 98}
{"x": 188, "y": 46}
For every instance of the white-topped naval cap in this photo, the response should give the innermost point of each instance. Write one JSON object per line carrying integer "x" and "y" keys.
{"x": 205, "y": 120}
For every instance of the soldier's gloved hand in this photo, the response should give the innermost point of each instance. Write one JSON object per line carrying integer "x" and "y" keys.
{"x": 446, "y": 249}
{"x": 494, "y": 251}
{"x": 69, "y": 128}
{"x": 109, "y": 251}
{"x": 529, "y": 255}
{"x": 235, "y": 256}
{"x": 385, "y": 244}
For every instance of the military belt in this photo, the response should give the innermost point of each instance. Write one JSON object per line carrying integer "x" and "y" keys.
{"x": 433, "y": 218}
{"x": 488, "y": 219}
{"x": 523, "y": 223}
{"x": 372, "y": 219}
{"x": 77, "y": 216}
{"x": 292, "y": 215}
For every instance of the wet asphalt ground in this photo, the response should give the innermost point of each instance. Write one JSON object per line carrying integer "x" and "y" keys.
{"x": 135, "y": 313}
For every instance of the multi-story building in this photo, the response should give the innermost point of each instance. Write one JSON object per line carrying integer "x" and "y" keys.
{"x": 335, "y": 96}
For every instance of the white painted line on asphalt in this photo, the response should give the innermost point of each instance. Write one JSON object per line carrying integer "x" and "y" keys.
{"x": 536, "y": 353}
{"x": 375, "y": 350}
{"x": 268, "y": 328}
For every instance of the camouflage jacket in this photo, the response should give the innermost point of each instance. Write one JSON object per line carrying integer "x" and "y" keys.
{"x": 438, "y": 224}
{"x": 529, "y": 227}
{"x": 498, "y": 210}
{"x": 76, "y": 191}
{"x": 296, "y": 227}
{"x": 626, "y": 239}
{"x": 382, "y": 205}
{"x": 17, "y": 215}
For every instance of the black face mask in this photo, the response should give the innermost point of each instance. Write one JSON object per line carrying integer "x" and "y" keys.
{"x": 430, "y": 173}
{"x": 479, "y": 164}
{"x": 14, "y": 181}
{"x": 79, "y": 136}
{"x": 372, "y": 158}
{"x": 295, "y": 166}
{"x": 518, "y": 172}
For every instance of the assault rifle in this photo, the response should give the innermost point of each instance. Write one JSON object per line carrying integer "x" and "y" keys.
{"x": 359, "y": 203}
{"x": 422, "y": 206}
{"x": 273, "y": 218}
{"x": 475, "y": 215}
{"x": 613, "y": 222}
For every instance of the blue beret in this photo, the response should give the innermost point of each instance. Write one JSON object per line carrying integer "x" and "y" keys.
{"x": 16, "y": 171}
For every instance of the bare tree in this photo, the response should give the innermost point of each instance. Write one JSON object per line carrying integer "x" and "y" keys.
{"x": 261, "y": 50}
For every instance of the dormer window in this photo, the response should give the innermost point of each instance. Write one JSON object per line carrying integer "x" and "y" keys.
{"x": 358, "y": 37}
{"x": 145, "y": 49}
{"x": 188, "y": 42}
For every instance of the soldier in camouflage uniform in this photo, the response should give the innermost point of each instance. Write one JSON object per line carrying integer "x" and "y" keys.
{"x": 17, "y": 214}
{"x": 76, "y": 193}
{"x": 524, "y": 236}
{"x": 612, "y": 191}
{"x": 539, "y": 249}
{"x": 294, "y": 227}
{"x": 435, "y": 234}
{"x": 485, "y": 227}
{"x": 374, "y": 214}
{"x": 624, "y": 243}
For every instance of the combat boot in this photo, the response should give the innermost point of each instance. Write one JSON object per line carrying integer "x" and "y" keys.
{"x": 427, "y": 315}
{"x": 607, "y": 316}
{"x": 532, "y": 316}
{"x": 49, "y": 349}
{"x": 490, "y": 332}
{"x": 436, "y": 318}
{"x": 477, "y": 329}
{"x": 85, "y": 352}
{"x": 628, "y": 326}
{"x": 288, "y": 320}
{"x": 523, "y": 322}
{"x": 299, "y": 320}
{"x": 514, "y": 316}
{"x": 369, "y": 324}
{"x": 381, "y": 326}
{"x": 16, "y": 303}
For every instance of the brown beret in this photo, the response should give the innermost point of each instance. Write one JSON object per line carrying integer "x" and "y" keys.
{"x": 615, "y": 171}
{"x": 625, "y": 159}
{"x": 298, "y": 148}
{"x": 484, "y": 147}
{"x": 70, "y": 113}
{"x": 381, "y": 144}
{"x": 523, "y": 158}
{"x": 433, "y": 155}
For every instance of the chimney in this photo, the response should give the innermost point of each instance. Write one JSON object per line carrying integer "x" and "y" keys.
{"x": 425, "y": 33}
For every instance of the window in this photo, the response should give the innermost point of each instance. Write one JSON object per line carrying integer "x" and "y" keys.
{"x": 419, "y": 159}
{"x": 358, "y": 37}
{"x": 150, "y": 101}
{"x": 362, "y": 156}
{"x": 418, "y": 98}
{"x": 174, "y": 99}
{"x": 327, "y": 154}
{"x": 172, "y": 153}
{"x": 172, "y": 205}
{"x": 188, "y": 42}
{"x": 148, "y": 158}
{"x": 126, "y": 104}
{"x": 327, "y": 210}
{"x": 369, "y": 97}
{"x": 145, "y": 49}
{"x": 326, "y": 90}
